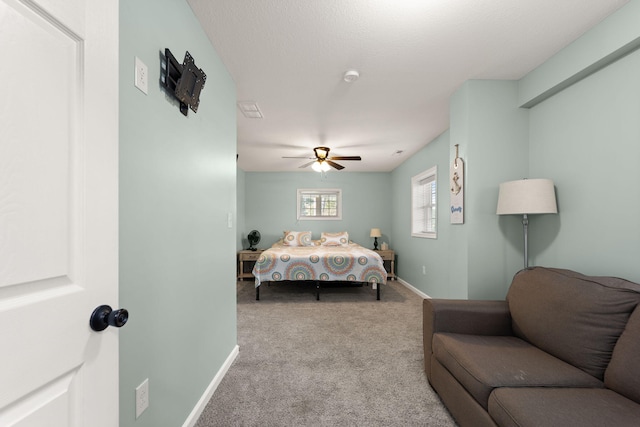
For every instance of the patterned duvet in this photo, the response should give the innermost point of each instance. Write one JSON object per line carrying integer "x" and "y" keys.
{"x": 352, "y": 263}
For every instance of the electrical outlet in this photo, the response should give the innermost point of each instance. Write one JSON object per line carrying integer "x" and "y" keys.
{"x": 142, "y": 397}
{"x": 424, "y": 270}
{"x": 141, "y": 76}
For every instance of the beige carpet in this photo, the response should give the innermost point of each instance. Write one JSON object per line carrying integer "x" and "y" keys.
{"x": 346, "y": 360}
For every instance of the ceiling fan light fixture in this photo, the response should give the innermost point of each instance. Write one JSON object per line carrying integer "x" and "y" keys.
{"x": 321, "y": 152}
{"x": 351, "y": 76}
{"x": 322, "y": 162}
{"x": 320, "y": 166}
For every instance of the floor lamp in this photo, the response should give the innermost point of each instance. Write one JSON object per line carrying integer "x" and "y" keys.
{"x": 526, "y": 197}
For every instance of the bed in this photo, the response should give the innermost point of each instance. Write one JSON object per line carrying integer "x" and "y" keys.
{"x": 347, "y": 263}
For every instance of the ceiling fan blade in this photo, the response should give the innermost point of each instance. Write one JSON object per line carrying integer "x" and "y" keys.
{"x": 297, "y": 157}
{"x": 307, "y": 164}
{"x": 334, "y": 164}
{"x": 345, "y": 158}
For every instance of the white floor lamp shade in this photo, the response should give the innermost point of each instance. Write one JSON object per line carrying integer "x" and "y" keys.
{"x": 525, "y": 197}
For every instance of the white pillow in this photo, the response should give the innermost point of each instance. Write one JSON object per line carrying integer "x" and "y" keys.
{"x": 297, "y": 238}
{"x": 334, "y": 239}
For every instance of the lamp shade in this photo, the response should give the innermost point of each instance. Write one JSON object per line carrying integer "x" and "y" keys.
{"x": 375, "y": 232}
{"x": 527, "y": 196}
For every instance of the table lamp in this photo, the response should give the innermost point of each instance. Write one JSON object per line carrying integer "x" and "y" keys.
{"x": 375, "y": 233}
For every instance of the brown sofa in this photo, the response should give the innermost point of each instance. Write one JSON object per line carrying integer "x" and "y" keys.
{"x": 562, "y": 350}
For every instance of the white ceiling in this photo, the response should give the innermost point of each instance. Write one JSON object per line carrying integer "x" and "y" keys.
{"x": 289, "y": 57}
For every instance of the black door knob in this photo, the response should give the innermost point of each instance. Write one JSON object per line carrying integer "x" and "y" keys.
{"x": 103, "y": 317}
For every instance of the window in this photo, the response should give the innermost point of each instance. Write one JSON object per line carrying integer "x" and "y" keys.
{"x": 320, "y": 203}
{"x": 424, "y": 198}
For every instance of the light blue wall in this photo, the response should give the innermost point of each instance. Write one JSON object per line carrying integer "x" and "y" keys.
{"x": 582, "y": 131}
{"x": 493, "y": 143}
{"x": 177, "y": 186}
{"x": 587, "y": 138}
{"x": 270, "y": 204}
{"x": 614, "y": 37}
{"x": 476, "y": 259}
{"x": 413, "y": 253}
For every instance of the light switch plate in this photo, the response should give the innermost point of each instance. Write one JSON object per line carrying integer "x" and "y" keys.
{"x": 141, "y": 76}
{"x": 142, "y": 397}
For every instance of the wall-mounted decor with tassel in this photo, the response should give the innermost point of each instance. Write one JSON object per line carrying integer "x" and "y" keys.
{"x": 456, "y": 182}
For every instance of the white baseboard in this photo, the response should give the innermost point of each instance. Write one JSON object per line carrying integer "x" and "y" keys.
{"x": 197, "y": 410}
{"x": 412, "y": 288}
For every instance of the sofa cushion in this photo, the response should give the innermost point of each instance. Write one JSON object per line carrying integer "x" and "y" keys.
{"x": 623, "y": 373}
{"x": 574, "y": 317}
{"x": 562, "y": 407}
{"x": 482, "y": 363}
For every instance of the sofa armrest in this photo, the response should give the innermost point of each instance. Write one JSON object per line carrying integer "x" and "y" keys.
{"x": 472, "y": 317}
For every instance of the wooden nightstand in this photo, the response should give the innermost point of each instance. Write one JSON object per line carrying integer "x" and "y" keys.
{"x": 389, "y": 256}
{"x": 246, "y": 261}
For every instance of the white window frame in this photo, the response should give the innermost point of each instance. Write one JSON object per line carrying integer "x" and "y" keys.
{"x": 319, "y": 193}
{"x": 424, "y": 204}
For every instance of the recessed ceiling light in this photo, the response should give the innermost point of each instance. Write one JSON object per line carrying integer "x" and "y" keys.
{"x": 351, "y": 76}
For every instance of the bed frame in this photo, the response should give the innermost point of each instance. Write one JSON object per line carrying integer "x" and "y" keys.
{"x": 317, "y": 285}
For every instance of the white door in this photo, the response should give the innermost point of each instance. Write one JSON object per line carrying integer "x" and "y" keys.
{"x": 58, "y": 211}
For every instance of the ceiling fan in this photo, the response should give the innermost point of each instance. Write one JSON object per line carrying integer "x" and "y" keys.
{"x": 322, "y": 161}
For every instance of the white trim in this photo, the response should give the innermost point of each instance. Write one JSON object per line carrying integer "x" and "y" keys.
{"x": 420, "y": 218}
{"x": 202, "y": 403}
{"x": 416, "y": 290}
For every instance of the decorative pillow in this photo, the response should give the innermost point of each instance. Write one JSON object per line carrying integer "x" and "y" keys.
{"x": 334, "y": 239}
{"x": 297, "y": 238}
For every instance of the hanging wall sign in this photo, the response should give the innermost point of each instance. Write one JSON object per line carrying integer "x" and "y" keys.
{"x": 456, "y": 184}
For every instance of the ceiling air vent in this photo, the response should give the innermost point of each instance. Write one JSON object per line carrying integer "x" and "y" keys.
{"x": 250, "y": 109}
